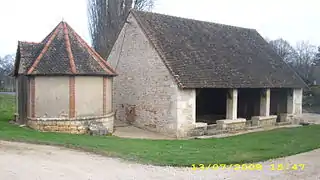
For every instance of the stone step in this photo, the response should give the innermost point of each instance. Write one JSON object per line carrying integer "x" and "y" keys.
{"x": 196, "y": 132}
{"x": 118, "y": 123}
{"x": 215, "y": 132}
{"x": 283, "y": 123}
{"x": 252, "y": 127}
{"x": 212, "y": 126}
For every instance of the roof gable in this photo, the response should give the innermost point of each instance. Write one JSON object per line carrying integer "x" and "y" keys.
{"x": 202, "y": 54}
{"x": 62, "y": 52}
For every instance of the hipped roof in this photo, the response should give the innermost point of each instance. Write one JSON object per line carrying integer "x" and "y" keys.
{"x": 62, "y": 52}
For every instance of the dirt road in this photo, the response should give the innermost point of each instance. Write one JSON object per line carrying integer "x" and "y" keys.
{"x": 35, "y": 162}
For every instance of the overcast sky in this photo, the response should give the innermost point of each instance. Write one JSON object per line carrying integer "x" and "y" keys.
{"x": 293, "y": 20}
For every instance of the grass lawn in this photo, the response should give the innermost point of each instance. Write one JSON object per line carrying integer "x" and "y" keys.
{"x": 238, "y": 149}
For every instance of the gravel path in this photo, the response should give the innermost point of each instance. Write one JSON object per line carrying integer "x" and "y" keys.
{"x": 35, "y": 162}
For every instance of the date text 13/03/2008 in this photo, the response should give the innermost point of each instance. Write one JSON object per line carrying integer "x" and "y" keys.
{"x": 248, "y": 167}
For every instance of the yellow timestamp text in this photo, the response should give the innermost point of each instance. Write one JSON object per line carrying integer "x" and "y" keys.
{"x": 248, "y": 167}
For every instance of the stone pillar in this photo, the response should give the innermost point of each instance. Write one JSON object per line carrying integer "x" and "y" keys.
{"x": 232, "y": 104}
{"x": 264, "y": 119}
{"x": 265, "y": 102}
{"x": 186, "y": 112}
{"x": 294, "y": 101}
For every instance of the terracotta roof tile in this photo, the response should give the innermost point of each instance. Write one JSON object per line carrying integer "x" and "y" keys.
{"x": 62, "y": 52}
{"x": 202, "y": 54}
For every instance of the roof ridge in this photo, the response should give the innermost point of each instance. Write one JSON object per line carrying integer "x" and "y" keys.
{"x": 68, "y": 48}
{"x": 105, "y": 65}
{"x": 190, "y": 19}
{"x": 98, "y": 61}
{"x": 104, "y": 61}
{"x": 50, "y": 34}
{"x": 46, "y": 47}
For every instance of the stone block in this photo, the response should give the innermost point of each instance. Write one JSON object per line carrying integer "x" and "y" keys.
{"x": 53, "y": 123}
{"x": 264, "y": 121}
{"x": 212, "y": 126}
{"x": 54, "y": 128}
{"x": 200, "y": 129}
{"x": 196, "y": 132}
{"x": 231, "y": 125}
{"x": 285, "y": 117}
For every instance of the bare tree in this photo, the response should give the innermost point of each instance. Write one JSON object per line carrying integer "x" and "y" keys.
{"x": 305, "y": 59}
{"x": 6, "y": 67}
{"x": 301, "y": 57}
{"x": 317, "y": 57}
{"x": 143, "y": 4}
{"x": 6, "y": 64}
{"x": 283, "y": 49}
{"x": 97, "y": 10}
{"x": 106, "y": 18}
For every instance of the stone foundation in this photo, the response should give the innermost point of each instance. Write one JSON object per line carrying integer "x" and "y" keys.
{"x": 199, "y": 130}
{"x": 231, "y": 125}
{"x": 257, "y": 123}
{"x": 264, "y": 121}
{"x": 78, "y": 125}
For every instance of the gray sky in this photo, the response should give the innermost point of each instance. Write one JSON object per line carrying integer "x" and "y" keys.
{"x": 293, "y": 20}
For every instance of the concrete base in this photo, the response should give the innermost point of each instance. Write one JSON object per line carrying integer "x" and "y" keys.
{"x": 79, "y": 125}
{"x": 228, "y": 124}
{"x": 264, "y": 121}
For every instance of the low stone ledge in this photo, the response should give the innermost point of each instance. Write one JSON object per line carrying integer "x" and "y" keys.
{"x": 231, "y": 125}
{"x": 78, "y": 125}
{"x": 283, "y": 123}
{"x": 72, "y": 119}
{"x": 285, "y": 117}
{"x": 249, "y": 123}
{"x": 212, "y": 126}
{"x": 264, "y": 121}
{"x": 199, "y": 129}
{"x": 201, "y": 125}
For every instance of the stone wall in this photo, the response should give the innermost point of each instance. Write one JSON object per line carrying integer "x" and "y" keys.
{"x": 73, "y": 126}
{"x": 51, "y": 96}
{"x": 87, "y": 102}
{"x": 144, "y": 92}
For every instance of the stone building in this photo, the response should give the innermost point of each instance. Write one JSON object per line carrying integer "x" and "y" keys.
{"x": 178, "y": 75}
{"x": 62, "y": 84}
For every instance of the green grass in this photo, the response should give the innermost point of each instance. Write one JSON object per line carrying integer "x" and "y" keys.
{"x": 238, "y": 149}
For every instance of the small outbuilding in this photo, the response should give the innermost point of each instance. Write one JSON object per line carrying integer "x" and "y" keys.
{"x": 184, "y": 77}
{"x": 62, "y": 84}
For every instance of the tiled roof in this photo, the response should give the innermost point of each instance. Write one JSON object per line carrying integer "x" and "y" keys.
{"x": 208, "y": 55}
{"x": 62, "y": 52}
